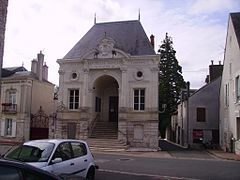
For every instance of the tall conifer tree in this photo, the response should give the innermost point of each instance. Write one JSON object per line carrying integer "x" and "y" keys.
{"x": 170, "y": 82}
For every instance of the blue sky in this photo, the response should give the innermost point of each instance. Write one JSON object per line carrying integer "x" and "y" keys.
{"x": 198, "y": 29}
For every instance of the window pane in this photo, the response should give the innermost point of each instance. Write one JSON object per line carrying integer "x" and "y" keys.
{"x": 79, "y": 149}
{"x": 136, "y": 100}
{"x": 63, "y": 151}
{"x": 142, "y": 92}
{"x": 71, "y": 92}
{"x": 8, "y": 127}
{"x": 76, "y": 99}
{"x": 135, "y": 106}
{"x": 142, "y": 106}
{"x": 135, "y": 92}
{"x": 142, "y": 100}
{"x": 76, "y": 92}
{"x": 8, "y": 173}
{"x": 76, "y": 106}
{"x": 71, "y": 106}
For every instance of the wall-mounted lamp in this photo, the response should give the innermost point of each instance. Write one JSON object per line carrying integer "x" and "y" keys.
{"x": 164, "y": 106}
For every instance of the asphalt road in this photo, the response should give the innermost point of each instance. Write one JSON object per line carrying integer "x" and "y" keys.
{"x": 116, "y": 167}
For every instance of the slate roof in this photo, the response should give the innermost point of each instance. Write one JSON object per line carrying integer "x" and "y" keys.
{"x": 11, "y": 70}
{"x": 236, "y": 24}
{"x": 129, "y": 36}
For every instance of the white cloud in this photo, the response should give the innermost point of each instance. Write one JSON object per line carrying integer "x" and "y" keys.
{"x": 55, "y": 26}
{"x": 211, "y": 6}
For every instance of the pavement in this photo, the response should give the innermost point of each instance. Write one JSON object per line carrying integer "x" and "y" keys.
{"x": 201, "y": 154}
{"x": 224, "y": 155}
{"x": 171, "y": 150}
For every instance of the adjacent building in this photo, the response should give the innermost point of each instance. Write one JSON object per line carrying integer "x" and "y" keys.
{"x": 3, "y": 19}
{"x": 230, "y": 88}
{"x": 196, "y": 121}
{"x": 110, "y": 79}
{"x": 26, "y": 103}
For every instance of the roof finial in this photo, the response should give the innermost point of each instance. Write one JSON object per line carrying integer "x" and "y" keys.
{"x": 139, "y": 14}
{"x": 95, "y": 19}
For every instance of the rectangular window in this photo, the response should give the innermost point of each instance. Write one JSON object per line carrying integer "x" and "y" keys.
{"x": 8, "y": 127}
{"x": 73, "y": 99}
{"x": 201, "y": 114}
{"x": 227, "y": 95}
{"x": 12, "y": 97}
{"x": 139, "y": 100}
{"x": 237, "y": 84}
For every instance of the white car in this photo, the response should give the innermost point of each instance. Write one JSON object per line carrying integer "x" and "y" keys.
{"x": 59, "y": 156}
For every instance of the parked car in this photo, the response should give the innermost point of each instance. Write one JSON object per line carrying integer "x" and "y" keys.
{"x": 14, "y": 170}
{"x": 60, "y": 156}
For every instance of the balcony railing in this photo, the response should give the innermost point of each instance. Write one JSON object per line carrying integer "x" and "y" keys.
{"x": 9, "y": 108}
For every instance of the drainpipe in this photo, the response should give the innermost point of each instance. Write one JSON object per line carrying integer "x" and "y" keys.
{"x": 188, "y": 94}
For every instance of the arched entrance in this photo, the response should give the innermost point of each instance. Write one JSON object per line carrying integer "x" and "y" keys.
{"x": 106, "y": 98}
{"x": 106, "y": 102}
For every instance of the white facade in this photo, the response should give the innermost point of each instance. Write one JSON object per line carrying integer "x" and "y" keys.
{"x": 112, "y": 86}
{"x": 229, "y": 95}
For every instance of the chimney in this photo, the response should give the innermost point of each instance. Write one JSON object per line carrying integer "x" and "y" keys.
{"x": 34, "y": 66}
{"x": 215, "y": 71}
{"x": 45, "y": 71}
{"x": 152, "y": 40}
{"x": 40, "y": 58}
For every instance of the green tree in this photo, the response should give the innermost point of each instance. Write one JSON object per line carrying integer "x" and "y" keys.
{"x": 170, "y": 83}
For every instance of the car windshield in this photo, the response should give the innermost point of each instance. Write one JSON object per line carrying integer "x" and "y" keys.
{"x": 36, "y": 152}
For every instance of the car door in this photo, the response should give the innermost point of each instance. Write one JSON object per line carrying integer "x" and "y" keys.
{"x": 66, "y": 166}
{"x": 80, "y": 158}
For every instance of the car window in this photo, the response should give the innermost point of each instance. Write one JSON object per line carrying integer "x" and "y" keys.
{"x": 9, "y": 173}
{"x": 79, "y": 149}
{"x": 37, "y": 152}
{"x": 63, "y": 151}
{"x": 32, "y": 175}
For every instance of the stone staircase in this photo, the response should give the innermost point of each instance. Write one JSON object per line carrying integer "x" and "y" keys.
{"x": 105, "y": 130}
{"x": 106, "y": 145}
{"x": 104, "y": 138}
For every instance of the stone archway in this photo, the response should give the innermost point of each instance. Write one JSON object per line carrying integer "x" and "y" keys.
{"x": 106, "y": 103}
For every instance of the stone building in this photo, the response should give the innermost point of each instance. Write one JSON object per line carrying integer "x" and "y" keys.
{"x": 26, "y": 104}
{"x": 109, "y": 80}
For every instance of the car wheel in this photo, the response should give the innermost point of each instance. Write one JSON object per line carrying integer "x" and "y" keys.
{"x": 91, "y": 173}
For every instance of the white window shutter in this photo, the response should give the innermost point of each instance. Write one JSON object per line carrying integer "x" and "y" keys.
{"x": 14, "y": 127}
{"x": 2, "y": 127}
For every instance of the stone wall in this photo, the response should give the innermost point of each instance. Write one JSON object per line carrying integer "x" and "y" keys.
{"x": 3, "y": 18}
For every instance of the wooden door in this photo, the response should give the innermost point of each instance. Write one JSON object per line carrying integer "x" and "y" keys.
{"x": 113, "y": 108}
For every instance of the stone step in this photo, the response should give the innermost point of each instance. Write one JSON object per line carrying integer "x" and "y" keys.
{"x": 104, "y": 129}
{"x": 106, "y": 145}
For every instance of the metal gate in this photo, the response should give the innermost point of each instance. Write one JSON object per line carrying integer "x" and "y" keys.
{"x": 39, "y": 126}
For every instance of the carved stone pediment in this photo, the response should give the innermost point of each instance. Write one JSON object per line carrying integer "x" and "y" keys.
{"x": 105, "y": 48}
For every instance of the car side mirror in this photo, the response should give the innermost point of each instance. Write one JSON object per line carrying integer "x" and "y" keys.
{"x": 56, "y": 160}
